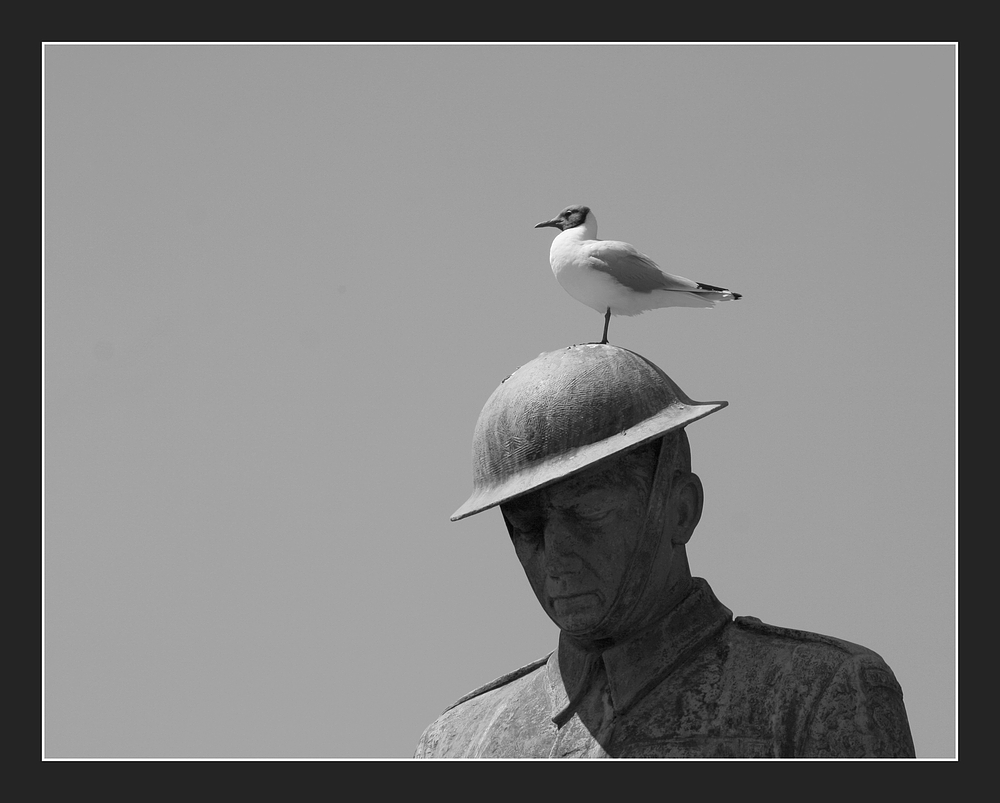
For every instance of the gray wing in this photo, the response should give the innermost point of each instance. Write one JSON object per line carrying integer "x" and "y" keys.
{"x": 634, "y": 270}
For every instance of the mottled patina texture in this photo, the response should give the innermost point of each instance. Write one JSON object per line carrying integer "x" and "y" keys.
{"x": 586, "y": 453}
{"x": 698, "y": 684}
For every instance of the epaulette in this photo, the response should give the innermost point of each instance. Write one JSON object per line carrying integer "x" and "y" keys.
{"x": 755, "y": 625}
{"x": 503, "y": 680}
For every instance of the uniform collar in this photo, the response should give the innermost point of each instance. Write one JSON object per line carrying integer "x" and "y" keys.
{"x": 633, "y": 668}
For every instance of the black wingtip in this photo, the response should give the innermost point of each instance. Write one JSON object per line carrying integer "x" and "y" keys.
{"x": 715, "y": 289}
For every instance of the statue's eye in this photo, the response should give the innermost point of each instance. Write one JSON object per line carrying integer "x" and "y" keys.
{"x": 528, "y": 536}
{"x": 527, "y": 526}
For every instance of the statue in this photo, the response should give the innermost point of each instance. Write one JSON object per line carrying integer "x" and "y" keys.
{"x": 585, "y": 451}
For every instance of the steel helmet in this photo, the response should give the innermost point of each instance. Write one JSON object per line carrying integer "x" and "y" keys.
{"x": 566, "y": 410}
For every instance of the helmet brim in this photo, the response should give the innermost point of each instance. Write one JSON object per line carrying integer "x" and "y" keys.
{"x": 574, "y": 460}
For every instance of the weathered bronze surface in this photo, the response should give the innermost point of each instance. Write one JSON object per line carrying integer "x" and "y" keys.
{"x": 699, "y": 685}
{"x": 566, "y": 410}
{"x": 649, "y": 663}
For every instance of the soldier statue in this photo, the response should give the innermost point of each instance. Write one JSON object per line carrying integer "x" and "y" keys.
{"x": 585, "y": 451}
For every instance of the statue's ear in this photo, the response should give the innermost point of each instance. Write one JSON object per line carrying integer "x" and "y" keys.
{"x": 687, "y": 498}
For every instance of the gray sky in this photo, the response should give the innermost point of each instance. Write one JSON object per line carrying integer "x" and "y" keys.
{"x": 281, "y": 281}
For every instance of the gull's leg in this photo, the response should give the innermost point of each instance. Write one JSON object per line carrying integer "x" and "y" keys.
{"x": 607, "y": 320}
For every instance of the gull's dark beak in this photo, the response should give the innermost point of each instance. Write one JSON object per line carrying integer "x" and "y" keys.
{"x": 556, "y": 222}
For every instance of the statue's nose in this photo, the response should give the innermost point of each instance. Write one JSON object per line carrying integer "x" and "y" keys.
{"x": 561, "y": 554}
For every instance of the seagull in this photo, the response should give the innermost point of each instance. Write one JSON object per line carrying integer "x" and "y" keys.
{"x": 612, "y": 277}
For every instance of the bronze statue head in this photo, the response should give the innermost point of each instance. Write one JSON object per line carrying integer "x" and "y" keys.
{"x": 584, "y": 450}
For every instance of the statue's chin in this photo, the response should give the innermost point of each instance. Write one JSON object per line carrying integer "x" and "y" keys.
{"x": 578, "y": 615}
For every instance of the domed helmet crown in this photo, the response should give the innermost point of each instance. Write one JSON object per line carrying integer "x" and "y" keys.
{"x": 566, "y": 410}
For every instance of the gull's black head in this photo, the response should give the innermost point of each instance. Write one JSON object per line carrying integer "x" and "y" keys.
{"x": 569, "y": 218}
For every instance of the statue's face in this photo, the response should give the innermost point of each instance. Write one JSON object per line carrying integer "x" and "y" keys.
{"x": 574, "y": 540}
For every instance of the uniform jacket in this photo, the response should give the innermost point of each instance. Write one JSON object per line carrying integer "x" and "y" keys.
{"x": 698, "y": 684}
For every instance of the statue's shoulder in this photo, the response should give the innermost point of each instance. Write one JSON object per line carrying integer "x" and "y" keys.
{"x": 468, "y": 727}
{"x": 838, "y": 698}
{"x": 812, "y": 654}
{"x": 501, "y": 681}
{"x": 753, "y": 626}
